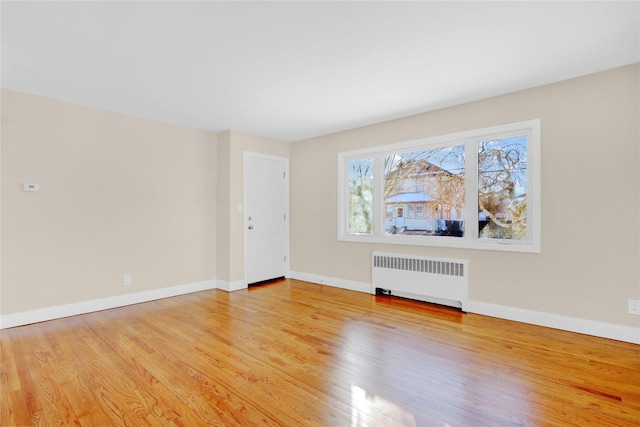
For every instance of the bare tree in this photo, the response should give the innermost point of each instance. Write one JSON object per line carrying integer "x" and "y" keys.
{"x": 502, "y": 183}
{"x": 361, "y": 196}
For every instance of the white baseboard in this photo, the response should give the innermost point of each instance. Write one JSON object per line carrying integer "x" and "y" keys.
{"x": 231, "y": 286}
{"x": 332, "y": 281}
{"x": 57, "y": 312}
{"x": 556, "y": 321}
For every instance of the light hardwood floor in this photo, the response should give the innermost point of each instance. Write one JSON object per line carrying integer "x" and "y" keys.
{"x": 293, "y": 353}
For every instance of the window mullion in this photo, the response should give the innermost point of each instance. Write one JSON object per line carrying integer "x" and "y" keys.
{"x": 471, "y": 190}
{"x": 378, "y": 197}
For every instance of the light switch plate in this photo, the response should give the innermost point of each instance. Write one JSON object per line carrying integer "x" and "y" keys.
{"x": 27, "y": 186}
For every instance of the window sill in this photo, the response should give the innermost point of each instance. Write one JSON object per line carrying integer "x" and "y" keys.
{"x": 445, "y": 242}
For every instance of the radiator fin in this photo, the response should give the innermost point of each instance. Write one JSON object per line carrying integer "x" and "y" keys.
{"x": 446, "y": 268}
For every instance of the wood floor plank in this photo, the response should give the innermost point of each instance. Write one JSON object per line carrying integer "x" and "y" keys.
{"x": 57, "y": 409}
{"x": 244, "y": 369}
{"x": 9, "y": 384}
{"x": 210, "y": 399}
{"x": 294, "y": 353}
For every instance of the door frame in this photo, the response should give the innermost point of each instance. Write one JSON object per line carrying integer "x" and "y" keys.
{"x": 245, "y": 221}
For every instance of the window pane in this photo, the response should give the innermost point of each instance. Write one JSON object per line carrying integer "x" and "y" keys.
{"x": 389, "y": 212}
{"x": 431, "y": 179}
{"x": 502, "y": 188}
{"x": 361, "y": 196}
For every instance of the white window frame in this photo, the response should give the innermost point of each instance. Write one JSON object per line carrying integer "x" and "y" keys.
{"x": 470, "y": 239}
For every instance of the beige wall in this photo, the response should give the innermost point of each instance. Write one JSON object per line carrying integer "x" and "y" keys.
{"x": 230, "y": 184}
{"x": 588, "y": 267}
{"x": 118, "y": 195}
{"x": 123, "y": 195}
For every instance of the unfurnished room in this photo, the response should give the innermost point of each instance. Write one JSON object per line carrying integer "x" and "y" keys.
{"x": 320, "y": 213}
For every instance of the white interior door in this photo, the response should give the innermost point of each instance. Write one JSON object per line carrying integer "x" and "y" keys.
{"x": 266, "y": 222}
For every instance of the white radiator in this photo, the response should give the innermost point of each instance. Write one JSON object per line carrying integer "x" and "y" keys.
{"x": 437, "y": 280}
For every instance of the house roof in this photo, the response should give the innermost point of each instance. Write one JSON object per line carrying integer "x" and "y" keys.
{"x": 410, "y": 198}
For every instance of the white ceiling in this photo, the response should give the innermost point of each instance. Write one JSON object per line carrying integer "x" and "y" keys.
{"x": 293, "y": 70}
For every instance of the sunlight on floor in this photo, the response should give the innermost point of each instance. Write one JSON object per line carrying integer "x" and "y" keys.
{"x": 379, "y": 369}
{"x": 370, "y": 410}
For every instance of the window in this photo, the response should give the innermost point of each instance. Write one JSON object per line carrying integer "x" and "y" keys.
{"x": 410, "y": 210}
{"x": 429, "y": 177}
{"x": 502, "y": 188}
{"x": 361, "y": 196}
{"x": 389, "y": 212}
{"x": 476, "y": 189}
